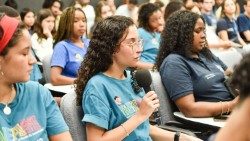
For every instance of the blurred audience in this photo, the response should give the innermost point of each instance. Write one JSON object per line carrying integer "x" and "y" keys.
{"x": 56, "y": 7}
{"x": 28, "y": 18}
{"x": 150, "y": 20}
{"x": 44, "y": 29}
{"x": 130, "y": 9}
{"x": 243, "y": 22}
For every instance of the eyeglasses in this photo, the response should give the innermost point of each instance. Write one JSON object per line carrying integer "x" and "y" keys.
{"x": 133, "y": 44}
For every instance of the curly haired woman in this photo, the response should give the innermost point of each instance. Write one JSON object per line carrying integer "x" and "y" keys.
{"x": 103, "y": 78}
{"x": 191, "y": 74}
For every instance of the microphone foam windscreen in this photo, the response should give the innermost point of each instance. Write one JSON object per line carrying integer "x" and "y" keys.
{"x": 143, "y": 78}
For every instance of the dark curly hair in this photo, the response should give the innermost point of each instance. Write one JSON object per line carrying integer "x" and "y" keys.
{"x": 145, "y": 11}
{"x": 177, "y": 36}
{"x": 241, "y": 77}
{"x": 105, "y": 41}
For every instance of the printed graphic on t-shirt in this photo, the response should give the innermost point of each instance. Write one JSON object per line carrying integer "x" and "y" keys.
{"x": 78, "y": 57}
{"x": 118, "y": 100}
{"x": 129, "y": 108}
{"x": 22, "y": 131}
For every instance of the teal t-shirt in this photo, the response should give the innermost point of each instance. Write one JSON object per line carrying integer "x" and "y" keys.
{"x": 108, "y": 102}
{"x": 151, "y": 42}
{"x": 35, "y": 115}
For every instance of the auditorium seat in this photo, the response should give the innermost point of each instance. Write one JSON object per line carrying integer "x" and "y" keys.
{"x": 167, "y": 109}
{"x": 73, "y": 115}
{"x": 46, "y": 67}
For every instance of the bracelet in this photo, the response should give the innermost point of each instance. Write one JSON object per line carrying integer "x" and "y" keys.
{"x": 228, "y": 108}
{"x": 177, "y": 136}
{"x": 125, "y": 130}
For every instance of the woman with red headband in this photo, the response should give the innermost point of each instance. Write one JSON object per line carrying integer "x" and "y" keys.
{"x": 27, "y": 109}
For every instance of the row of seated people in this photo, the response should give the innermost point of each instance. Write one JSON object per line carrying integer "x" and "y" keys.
{"x": 115, "y": 71}
{"x": 151, "y": 40}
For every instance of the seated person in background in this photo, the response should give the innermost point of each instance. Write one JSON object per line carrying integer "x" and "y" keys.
{"x": 130, "y": 9}
{"x": 239, "y": 119}
{"x": 192, "y": 75}
{"x": 191, "y": 6}
{"x": 89, "y": 12}
{"x": 207, "y": 12}
{"x": 243, "y": 22}
{"x": 115, "y": 108}
{"x": 27, "y": 108}
{"x": 44, "y": 29}
{"x": 55, "y": 6}
{"x": 227, "y": 28}
{"x": 28, "y": 18}
{"x": 102, "y": 11}
{"x": 171, "y": 7}
{"x": 70, "y": 47}
{"x": 150, "y": 19}
{"x": 111, "y": 4}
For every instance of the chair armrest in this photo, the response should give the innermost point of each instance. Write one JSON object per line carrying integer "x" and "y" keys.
{"x": 175, "y": 129}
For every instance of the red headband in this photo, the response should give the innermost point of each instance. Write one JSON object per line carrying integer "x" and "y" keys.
{"x": 9, "y": 26}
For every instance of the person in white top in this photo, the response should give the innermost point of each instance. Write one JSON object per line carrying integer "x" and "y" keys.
{"x": 129, "y": 10}
{"x": 88, "y": 10}
{"x": 42, "y": 39}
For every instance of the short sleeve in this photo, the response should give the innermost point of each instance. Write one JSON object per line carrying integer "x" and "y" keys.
{"x": 55, "y": 121}
{"x": 59, "y": 57}
{"x": 221, "y": 25}
{"x": 242, "y": 23}
{"x": 176, "y": 78}
{"x": 96, "y": 111}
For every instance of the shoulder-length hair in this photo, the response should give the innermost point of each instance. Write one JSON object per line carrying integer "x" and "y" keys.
{"x": 42, "y": 14}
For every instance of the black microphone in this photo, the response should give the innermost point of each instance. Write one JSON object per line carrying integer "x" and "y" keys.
{"x": 144, "y": 80}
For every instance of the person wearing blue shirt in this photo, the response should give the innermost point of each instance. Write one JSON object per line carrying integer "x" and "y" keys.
{"x": 70, "y": 47}
{"x": 150, "y": 20}
{"x": 227, "y": 28}
{"x": 27, "y": 109}
{"x": 114, "y": 106}
{"x": 243, "y": 22}
{"x": 192, "y": 75}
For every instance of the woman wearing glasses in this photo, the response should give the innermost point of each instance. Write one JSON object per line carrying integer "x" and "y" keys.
{"x": 114, "y": 108}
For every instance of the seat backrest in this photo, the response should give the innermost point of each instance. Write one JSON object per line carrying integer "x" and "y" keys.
{"x": 46, "y": 67}
{"x": 167, "y": 106}
{"x": 73, "y": 115}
